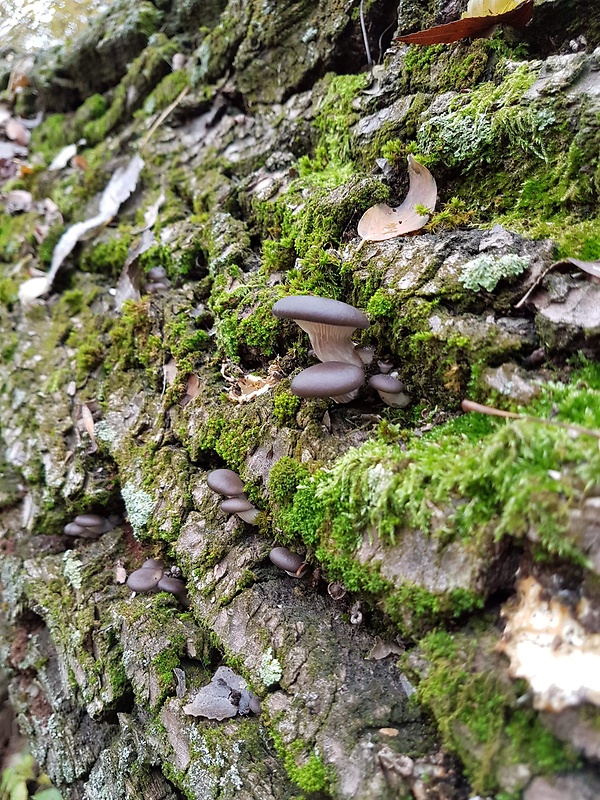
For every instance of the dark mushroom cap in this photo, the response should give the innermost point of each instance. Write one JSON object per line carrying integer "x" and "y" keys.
{"x": 225, "y": 481}
{"x": 90, "y": 520}
{"x": 320, "y": 309}
{"x": 172, "y": 585}
{"x": 386, "y": 383}
{"x": 152, "y": 563}
{"x": 331, "y": 379}
{"x": 236, "y": 504}
{"x": 285, "y": 559}
{"x": 144, "y": 580}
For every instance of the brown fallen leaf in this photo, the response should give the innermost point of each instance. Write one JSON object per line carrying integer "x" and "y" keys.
{"x": 472, "y": 26}
{"x": 88, "y": 421}
{"x": 79, "y": 162}
{"x": 382, "y": 222}
{"x": 591, "y": 267}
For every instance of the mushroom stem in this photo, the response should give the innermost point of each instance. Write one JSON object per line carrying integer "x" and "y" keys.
{"x": 331, "y": 342}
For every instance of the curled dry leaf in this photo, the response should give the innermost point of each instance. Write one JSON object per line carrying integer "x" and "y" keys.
{"x": 381, "y": 222}
{"x": 17, "y": 132}
{"x": 591, "y": 267}
{"x": 383, "y": 649}
{"x": 118, "y": 189}
{"x": 480, "y": 16}
{"x": 18, "y": 200}
{"x": 62, "y": 158}
{"x": 88, "y": 421}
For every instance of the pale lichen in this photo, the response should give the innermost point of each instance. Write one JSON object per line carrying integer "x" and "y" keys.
{"x": 139, "y": 505}
{"x": 72, "y": 569}
{"x": 486, "y": 271}
{"x": 270, "y": 669}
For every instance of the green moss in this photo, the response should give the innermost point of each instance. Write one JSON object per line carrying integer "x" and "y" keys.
{"x": 166, "y": 91}
{"x": 132, "y": 338}
{"x": 477, "y": 716}
{"x": 285, "y": 406}
{"x": 50, "y": 136}
{"x": 106, "y": 258}
{"x": 8, "y": 291}
{"x": 165, "y": 662}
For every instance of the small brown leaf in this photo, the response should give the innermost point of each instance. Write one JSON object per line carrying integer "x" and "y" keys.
{"x": 193, "y": 386}
{"x": 79, "y": 162}
{"x": 468, "y": 26}
{"x": 88, "y": 421}
{"x": 381, "y": 222}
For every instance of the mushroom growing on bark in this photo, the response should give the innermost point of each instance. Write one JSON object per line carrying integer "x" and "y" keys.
{"x": 390, "y": 389}
{"x": 225, "y": 482}
{"x": 90, "y": 526}
{"x": 147, "y": 577}
{"x": 335, "y": 379}
{"x": 329, "y": 324}
{"x": 242, "y": 507}
{"x": 290, "y": 562}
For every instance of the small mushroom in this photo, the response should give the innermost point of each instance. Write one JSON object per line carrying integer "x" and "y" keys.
{"x": 157, "y": 281}
{"x": 385, "y": 366}
{"x": 336, "y": 590}
{"x": 72, "y": 529}
{"x": 329, "y": 324}
{"x": 242, "y": 507}
{"x": 290, "y": 562}
{"x": 336, "y": 379}
{"x": 145, "y": 579}
{"x": 174, "y": 586}
{"x": 89, "y": 526}
{"x": 390, "y": 389}
{"x": 365, "y": 352}
{"x": 225, "y": 482}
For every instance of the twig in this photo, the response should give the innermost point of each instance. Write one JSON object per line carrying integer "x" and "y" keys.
{"x": 163, "y": 116}
{"x": 470, "y": 405}
{"x": 364, "y": 33}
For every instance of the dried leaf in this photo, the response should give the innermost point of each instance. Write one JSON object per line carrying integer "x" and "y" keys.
{"x": 118, "y": 189}
{"x": 88, "y": 421}
{"x": 151, "y": 213}
{"x": 381, "y": 222}
{"x": 215, "y": 701}
{"x": 130, "y": 280}
{"x": 383, "y": 649}
{"x": 170, "y": 371}
{"x": 471, "y": 26}
{"x": 62, "y": 158}
{"x": 79, "y": 162}
{"x": 591, "y": 267}
{"x": 18, "y": 200}
{"x": 192, "y": 388}
{"x": 17, "y": 132}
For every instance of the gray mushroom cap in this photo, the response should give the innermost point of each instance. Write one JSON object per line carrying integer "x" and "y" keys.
{"x": 236, "y": 504}
{"x": 73, "y": 529}
{"x": 331, "y": 379}
{"x": 386, "y": 383}
{"x": 226, "y": 482}
{"x": 152, "y": 563}
{"x": 285, "y": 559}
{"x": 90, "y": 520}
{"x": 172, "y": 585}
{"x": 320, "y": 309}
{"x": 145, "y": 579}
{"x": 329, "y": 324}
{"x": 156, "y": 273}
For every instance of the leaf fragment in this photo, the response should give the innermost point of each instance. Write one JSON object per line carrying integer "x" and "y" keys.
{"x": 381, "y": 222}
{"x": 474, "y": 26}
{"x": 118, "y": 189}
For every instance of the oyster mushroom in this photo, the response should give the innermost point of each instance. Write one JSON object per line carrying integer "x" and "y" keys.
{"x": 242, "y": 507}
{"x": 89, "y": 526}
{"x": 146, "y": 578}
{"x": 336, "y": 379}
{"x": 225, "y": 482}
{"x": 329, "y": 324}
{"x": 290, "y": 562}
{"x": 174, "y": 586}
{"x": 390, "y": 389}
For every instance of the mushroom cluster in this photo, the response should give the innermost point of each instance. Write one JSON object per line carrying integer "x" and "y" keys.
{"x": 330, "y": 324}
{"x": 228, "y": 484}
{"x": 152, "y": 577}
{"x": 157, "y": 281}
{"x": 91, "y": 526}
